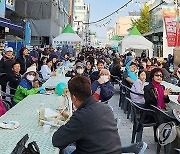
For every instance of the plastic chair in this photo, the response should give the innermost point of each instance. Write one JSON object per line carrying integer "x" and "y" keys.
{"x": 163, "y": 117}
{"x": 140, "y": 122}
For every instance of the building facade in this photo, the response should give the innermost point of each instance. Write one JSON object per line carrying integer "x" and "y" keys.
{"x": 47, "y": 18}
{"x": 81, "y": 16}
{"x": 8, "y": 28}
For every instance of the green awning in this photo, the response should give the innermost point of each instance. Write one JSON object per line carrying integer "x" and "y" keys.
{"x": 134, "y": 31}
{"x": 68, "y": 29}
{"x": 115, "y": 38}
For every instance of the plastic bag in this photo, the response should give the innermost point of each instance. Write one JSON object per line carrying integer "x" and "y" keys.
{"x": 20, "y": 148}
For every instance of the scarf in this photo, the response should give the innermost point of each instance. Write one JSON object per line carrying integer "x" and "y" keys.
{"x": 160, "y": 90}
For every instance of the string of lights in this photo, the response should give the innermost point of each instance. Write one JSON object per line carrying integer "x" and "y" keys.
{"x": 115, "y": 12}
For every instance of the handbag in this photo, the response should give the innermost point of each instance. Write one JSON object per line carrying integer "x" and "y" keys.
{"x": 21, "y": 148}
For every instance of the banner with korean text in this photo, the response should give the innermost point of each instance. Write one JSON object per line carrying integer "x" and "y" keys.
{"x": 169, "y": 15}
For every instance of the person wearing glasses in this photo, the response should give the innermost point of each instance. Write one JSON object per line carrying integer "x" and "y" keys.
{"x": 155, "y": 93}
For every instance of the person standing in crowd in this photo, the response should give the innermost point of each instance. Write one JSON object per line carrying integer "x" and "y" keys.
{"x": 59, "y": 54}
{"x": 89, "y": 68}
{"x": 25, "y": 86}
{"x": 24, "y": 60}
{"x": 34, "y": 54}
{"x": 98, "y": 134}
{"x": 6, "y": 67}
{"x": 138, "y": 87}
{"x": 154, "y": 92}
{"x": 46, "y": 70}
{"x": 116, "y": 68}
{"x": 143, "y": 54}
{"x": 14, "y": 78}
{"x": 95, "y": 75}
{"x": 52, "y": 52}
{"x": 102, "y": 88}
{"x": 45, "y": 53}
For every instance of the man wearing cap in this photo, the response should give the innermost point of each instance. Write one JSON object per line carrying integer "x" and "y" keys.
{"x": 5, "y": 66}
{"x": 79, "y": 70}
{"x": 25, "y": 86}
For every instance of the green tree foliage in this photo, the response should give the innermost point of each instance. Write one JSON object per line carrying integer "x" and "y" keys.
{"x": 143, "y": 22}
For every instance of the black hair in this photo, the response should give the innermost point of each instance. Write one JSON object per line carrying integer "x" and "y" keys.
{"x": 154, "y": 71}
{"x": 140, "y": 71}
{"x": 15, "y": 64}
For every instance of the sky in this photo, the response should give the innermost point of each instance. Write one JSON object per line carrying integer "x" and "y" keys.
{"x": 102, "y": 8}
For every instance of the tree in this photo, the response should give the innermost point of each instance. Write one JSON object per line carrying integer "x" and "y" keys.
{"x": 143, "y": 22}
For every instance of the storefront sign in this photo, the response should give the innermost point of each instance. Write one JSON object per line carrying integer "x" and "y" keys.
{"x": 169, "y": 14}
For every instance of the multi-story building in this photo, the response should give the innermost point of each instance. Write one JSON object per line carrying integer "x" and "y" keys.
{"x": 123, "y": 25}
{"x": 81, "y": 16}
{"x": 7, "y": 26}
{"x": 47, "y": 18}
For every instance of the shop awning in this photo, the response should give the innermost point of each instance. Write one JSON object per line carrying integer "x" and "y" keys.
{"x": 7, "y": 23}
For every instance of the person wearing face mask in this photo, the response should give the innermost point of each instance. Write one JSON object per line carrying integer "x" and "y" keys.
{"x": 25, "y": 86}
{"x": 102, "y": 88}
{"x": 79, "y": 70}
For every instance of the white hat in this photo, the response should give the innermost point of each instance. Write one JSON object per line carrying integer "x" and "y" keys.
{"x": 8, "y": 49}
{"x": 31, "y": 69}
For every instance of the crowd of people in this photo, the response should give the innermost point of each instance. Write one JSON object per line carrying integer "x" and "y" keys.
{"x": 97, "y": 68}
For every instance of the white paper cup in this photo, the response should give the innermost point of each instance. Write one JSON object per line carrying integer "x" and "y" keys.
{"x": 46, "y": 128}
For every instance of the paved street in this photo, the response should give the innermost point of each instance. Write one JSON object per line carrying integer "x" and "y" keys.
{"x": 125, "y": 126}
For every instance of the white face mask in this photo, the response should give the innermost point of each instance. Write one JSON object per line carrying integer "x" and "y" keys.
{"x": 30, "y": 77}
{"x": 105, "y": 78}
{"x": 80, "y": 71}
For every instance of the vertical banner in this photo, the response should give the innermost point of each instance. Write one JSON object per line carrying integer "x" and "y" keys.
{"x": 2, "y": 8}
{"x": 27, "y": 33}
{"x": 169, "y": 15}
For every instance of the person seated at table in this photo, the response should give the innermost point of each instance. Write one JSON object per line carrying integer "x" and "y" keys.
{"x": 14, "y": 78}
{"x": 90, "y": 132}
{"x": 46, "y": 70}
{"x": 95, "y": 75}
{"x": 25, "y": 86}
{"x": 102, "y": 89}
{"x": 79, "y": 70}
{"x": 138, "y": 87}
{"x": 89, "y": 68}
{"x": 155, "y": 93}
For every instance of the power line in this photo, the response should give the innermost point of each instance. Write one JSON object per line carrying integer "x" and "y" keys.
{"x": 125, "y": 5}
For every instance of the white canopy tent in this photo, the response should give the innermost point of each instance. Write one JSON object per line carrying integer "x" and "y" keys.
{"x": 68, "y": 37}
{"x": 136, "y": 42}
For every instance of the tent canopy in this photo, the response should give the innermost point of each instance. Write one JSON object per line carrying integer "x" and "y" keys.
{"x": 68, "y": 36}
{"x": 136, "y": 41}
{"x": 115, "y": 38}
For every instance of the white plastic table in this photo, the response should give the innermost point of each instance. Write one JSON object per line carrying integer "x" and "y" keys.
{"x": 169, "y": 85}
{"x": 174, "y": 103}
{"x": 25, "y": 112}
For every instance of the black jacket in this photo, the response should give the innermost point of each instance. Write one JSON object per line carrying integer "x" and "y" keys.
{"x": 149, "y": 96}
{"x": 14, "y": 80}
{"x": 92, "y": 127}
{"x": 94, "y": 76}
{"x": 6, "y": 64}
{"x": 25, "y": 62}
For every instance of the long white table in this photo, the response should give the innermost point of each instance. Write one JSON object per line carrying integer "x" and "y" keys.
{"x": 26, "y": 114}
{"x": 53, "y": 81}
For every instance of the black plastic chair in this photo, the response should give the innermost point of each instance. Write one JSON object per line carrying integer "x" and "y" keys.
{"x": 140, "y": 122}
{"x": 163, "y": 117}
{"x": 8, "y": 104}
